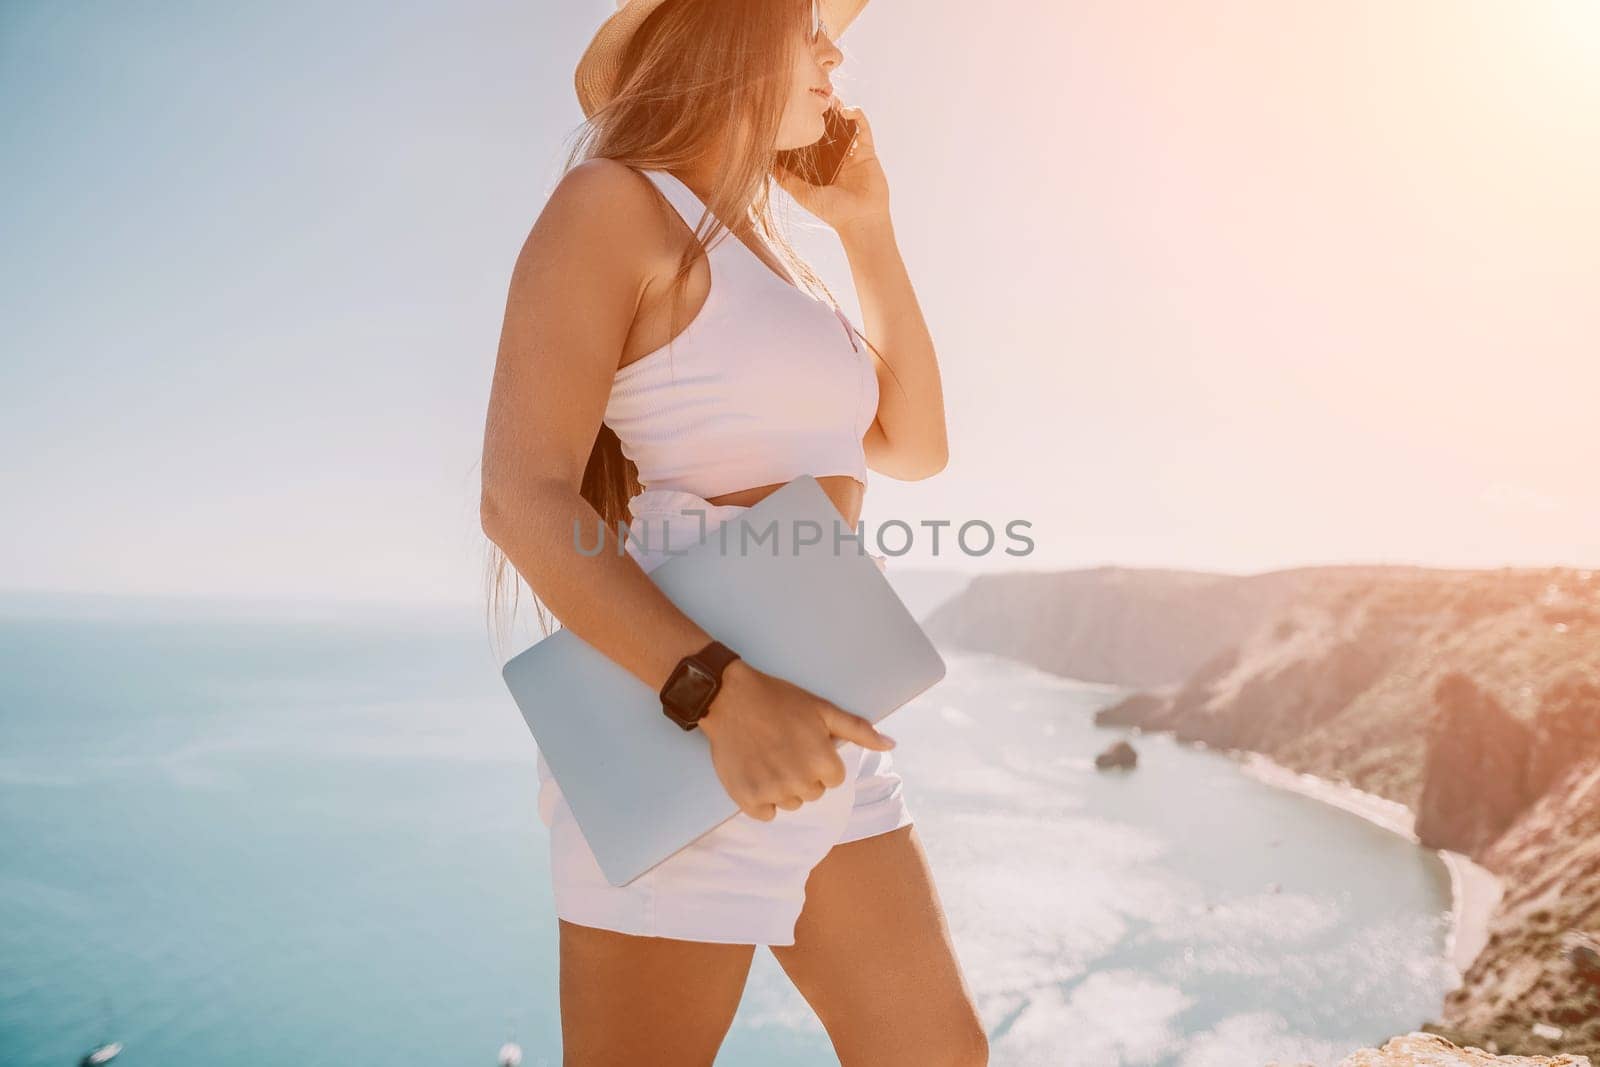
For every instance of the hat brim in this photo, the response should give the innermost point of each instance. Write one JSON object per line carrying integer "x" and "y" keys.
{"x": 595, "y": 78}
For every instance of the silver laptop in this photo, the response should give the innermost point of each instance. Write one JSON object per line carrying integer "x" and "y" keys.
{"x": 778, "y": 592}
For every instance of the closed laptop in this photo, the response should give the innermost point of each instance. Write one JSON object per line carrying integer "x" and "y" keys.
{"x": 788, "y": 586}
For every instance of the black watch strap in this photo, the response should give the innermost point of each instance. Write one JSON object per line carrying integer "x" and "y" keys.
{"x": 694, "y": 683}
{"x": 716, "y": 656}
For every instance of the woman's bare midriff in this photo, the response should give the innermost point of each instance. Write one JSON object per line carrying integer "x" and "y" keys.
{"x": 845, "y": 492}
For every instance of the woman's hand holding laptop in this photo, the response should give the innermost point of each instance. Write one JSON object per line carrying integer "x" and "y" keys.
{"x": 773, "y": 742}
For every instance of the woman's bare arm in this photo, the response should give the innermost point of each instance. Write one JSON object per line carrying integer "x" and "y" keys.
{"x": 574, "y": 291}
{"x": 908, "y": 438}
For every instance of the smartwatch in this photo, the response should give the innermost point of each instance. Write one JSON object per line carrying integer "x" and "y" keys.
{"x": 694, "y": 683}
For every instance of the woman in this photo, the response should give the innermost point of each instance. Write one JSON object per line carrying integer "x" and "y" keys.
{"x": 649, "y": 344}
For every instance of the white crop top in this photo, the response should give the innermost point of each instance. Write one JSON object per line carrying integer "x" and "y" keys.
{"x": 765, "y": 384}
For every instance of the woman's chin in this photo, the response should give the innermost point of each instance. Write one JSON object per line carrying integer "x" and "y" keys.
{"x": 814, "y": 132}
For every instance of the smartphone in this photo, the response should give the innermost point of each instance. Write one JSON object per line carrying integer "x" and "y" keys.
{"x": 819, "y": 163}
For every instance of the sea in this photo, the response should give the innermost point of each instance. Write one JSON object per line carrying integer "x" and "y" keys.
{"x": 269, "y": 836}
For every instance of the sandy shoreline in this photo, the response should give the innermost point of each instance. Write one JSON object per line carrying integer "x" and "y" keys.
{"x": 1474, "y": 891}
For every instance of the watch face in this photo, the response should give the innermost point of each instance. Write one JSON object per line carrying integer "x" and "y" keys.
{"x": 690, "y": 688}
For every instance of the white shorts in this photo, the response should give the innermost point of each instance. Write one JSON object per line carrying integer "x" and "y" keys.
{"x": 744, "y": 882}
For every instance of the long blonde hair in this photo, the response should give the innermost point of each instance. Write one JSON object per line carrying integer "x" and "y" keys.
{"x": 695, "y": 71}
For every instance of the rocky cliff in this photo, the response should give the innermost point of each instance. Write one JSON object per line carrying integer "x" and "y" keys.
{"x": 1430, "y": 1050}
{"x": 1541, "y": 967}
{"x": 1473, "y": 697}
{"x": 1118, "y": 624}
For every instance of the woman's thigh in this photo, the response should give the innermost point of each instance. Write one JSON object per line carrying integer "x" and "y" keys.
{"x": 872, "y": 956}
{"x": 657, "y": 1000}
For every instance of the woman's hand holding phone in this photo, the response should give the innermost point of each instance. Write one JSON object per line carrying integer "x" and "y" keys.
{"x": 774, "y": 744}
{"x": 858, "y": 196}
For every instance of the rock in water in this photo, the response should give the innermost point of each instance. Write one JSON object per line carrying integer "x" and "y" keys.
{"x": 1120, "y": 754}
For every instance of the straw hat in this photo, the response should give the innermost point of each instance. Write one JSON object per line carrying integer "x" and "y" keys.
{"x": 597, "y": 70}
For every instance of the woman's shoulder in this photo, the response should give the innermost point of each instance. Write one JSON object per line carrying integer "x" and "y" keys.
{"x": 605, "y": 177}
{"x": 606, "y": 207}
{"x": 607, "y": 191}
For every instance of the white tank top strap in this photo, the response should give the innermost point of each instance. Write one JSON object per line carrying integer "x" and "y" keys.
{"x": 679, "y": 195}
{"x": 727, "y": 250}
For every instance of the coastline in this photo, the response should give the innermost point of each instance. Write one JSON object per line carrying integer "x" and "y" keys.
{"x": 1474, "y": 890}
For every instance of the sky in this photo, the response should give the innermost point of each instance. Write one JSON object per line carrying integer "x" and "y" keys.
{"x": 1230, "y": 286}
